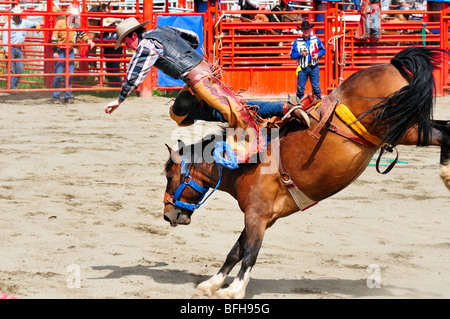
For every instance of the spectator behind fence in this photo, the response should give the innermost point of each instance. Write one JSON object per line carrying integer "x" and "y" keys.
{"x": 406, "y": 5}
{"x": 60, "y": 50}
{"x": 111, "y": 37}
{"x": 373, "y": 19}
{"x": 418, "y": 5}
{"x": 17, "y": 37}
{"x": 307, "y": 50}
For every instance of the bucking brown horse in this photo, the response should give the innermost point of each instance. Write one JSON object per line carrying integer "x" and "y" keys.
{"x": 374, "y": 109}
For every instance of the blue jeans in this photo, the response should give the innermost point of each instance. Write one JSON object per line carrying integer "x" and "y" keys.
{"x": 205, "y": 112}
{"x": 60, "y": 66}
{"x": 373, "y": 24}
{"x": 268, "y": 109}
{"x": 313, "y": 73}
{"x": 16, "y": 67}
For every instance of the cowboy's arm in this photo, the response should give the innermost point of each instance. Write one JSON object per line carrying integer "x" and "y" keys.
{"x": 84, "y": 37}
{"x": 322, "y": 50}
{"x": 294, "y": 52}
{"x": 5, "y": 36}
{"x": 31, "y": 24}
{"x": 138, "y": 68}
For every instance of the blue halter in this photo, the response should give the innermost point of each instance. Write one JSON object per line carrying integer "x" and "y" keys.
{"x": 229, "y": 162}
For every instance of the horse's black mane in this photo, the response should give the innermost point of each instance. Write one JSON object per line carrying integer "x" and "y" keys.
{"x": 198, "y": 152}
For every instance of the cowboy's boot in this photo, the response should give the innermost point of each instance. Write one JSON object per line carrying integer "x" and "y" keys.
{"x": 296, "y": 110}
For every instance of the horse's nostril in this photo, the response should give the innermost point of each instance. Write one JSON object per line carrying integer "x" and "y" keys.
{"x": 166, "y": 218}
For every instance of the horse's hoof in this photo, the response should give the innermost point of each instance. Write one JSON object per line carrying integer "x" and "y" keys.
{"x": 228, "y": 293}
{"x": 204, "y": 289}
{"x": 445, "y": 174}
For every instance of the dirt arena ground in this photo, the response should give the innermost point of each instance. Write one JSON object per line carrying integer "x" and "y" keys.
{"x": 81, "y": 215}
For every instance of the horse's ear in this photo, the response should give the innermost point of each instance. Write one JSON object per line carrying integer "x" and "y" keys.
{"x": 176, "y": 158}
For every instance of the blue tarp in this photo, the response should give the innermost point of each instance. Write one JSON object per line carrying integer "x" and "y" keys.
{"x": 191, "y": 22}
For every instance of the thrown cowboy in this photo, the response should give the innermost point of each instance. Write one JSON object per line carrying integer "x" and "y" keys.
{"x": 172, "y": 51}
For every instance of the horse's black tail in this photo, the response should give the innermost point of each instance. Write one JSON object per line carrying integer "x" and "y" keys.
{"x": 412, "y": 104}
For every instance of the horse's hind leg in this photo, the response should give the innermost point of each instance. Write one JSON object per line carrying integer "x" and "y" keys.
{"x": 444, "y": 127}
{"x": 440, "y": 136}
{"x": 210, "y": 286}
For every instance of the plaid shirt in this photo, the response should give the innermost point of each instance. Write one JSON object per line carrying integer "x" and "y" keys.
{"x": 140, "y": 64}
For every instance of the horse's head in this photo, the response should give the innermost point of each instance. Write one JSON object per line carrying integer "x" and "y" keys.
{"x": 185, "y": 189}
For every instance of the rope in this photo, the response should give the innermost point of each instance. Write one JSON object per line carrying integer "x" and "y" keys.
{"x": 332, "y": 41}
{"x": 224, "y": 155}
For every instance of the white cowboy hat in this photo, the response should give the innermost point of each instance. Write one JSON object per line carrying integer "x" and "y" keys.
{"x": 108, "y": 21}
{"x": 126, "y": 27}
{"x": 17, "y": 10}
{"x": 73, "y": 10}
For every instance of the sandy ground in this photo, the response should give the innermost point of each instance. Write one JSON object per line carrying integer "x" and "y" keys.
{"x": 81, "y": 216}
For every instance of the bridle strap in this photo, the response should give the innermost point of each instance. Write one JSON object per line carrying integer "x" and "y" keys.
{"x": 173, "y": 200}
{"x": 228, "y": 161}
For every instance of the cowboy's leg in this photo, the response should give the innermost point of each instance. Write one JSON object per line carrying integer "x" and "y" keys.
{"x": 187, "y": 108}
{"x": 218, "y": 96}
{"x": 267, "y": 109}
{"x": 18, "y": 66}
{"x": 376, "y": 24}
{"x": 59, "y": 69}
{"x": 184, "y": 104}
{"x": 301, "y": 82}
{"x": 12, "y": 67}
{"x": 68, "y": 94}
{"x": 203, "y": 111}
{"x": 281, "y": 108}
{"x": 315, "y": 81}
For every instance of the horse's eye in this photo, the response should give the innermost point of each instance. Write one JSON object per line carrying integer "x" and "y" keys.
{"x": 169, "y": 179}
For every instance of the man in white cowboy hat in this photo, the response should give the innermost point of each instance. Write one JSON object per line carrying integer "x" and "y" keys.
{"x": 172, "y": 51}
{"x": 109, "y": 52}
{"x": 15, "y": 37}
{"x": 307, "y": 50}
{"x": 62, "y": 46}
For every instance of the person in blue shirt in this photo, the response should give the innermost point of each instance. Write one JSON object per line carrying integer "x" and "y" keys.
{"x": 17, "y": 37}
{"x": 307, "y": 50}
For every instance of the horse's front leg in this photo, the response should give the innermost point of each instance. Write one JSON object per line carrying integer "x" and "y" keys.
{"x": 252, "y": 239}
{"x": 210, "y": 286}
